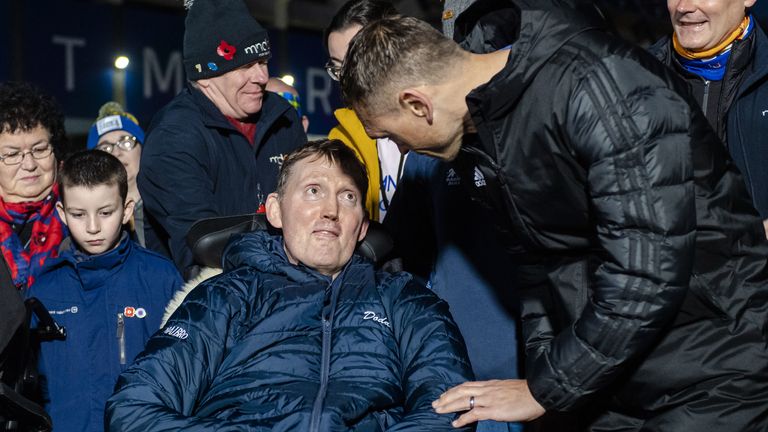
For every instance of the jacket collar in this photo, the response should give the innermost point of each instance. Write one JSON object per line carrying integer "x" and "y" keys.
{"x": 544, "y": 29}
{"x": 93, "y": 269}
{"x": 272, "y": 108}
{"x": 265, "y": 253}
{"x": 758, "y": 69}
{"x": 754, "y": 73}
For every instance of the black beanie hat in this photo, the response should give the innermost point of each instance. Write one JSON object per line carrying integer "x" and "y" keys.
{"x": 220, "y": 36}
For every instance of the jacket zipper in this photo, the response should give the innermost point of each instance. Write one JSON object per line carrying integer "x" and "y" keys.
{"x": 325, "y": 362}
{"x": 705, "y": 101}
{"x": 121, "y": 337}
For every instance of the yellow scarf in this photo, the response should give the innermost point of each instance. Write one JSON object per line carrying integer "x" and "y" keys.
{"x": 738, "y": 33}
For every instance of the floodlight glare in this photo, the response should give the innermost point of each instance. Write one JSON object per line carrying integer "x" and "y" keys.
{"x": 121, "y": 62}
{"x": 288, "y": 79}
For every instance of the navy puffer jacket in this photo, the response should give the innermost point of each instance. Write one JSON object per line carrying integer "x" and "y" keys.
{"x": 273, "y": 346}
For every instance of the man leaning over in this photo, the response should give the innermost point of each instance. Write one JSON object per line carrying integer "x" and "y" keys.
{"x": 643, "y": 274}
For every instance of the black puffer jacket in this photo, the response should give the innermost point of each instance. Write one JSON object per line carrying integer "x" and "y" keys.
{"x": 631, "y": 220}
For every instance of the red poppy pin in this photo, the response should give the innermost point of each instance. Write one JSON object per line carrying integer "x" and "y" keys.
{"x": 226, "y": 50}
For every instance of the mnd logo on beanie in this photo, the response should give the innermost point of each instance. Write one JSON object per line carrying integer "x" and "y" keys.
{"x": 220, "y": 36}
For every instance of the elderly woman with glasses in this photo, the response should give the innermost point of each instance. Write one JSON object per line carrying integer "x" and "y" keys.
{"x": 32, "y": 139}
{"x": 118, "y": 132}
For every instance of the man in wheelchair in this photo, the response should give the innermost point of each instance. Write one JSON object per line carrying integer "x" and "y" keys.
{"x": 299, "y": 333}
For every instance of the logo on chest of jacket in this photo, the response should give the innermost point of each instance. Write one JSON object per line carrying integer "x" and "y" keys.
{"x": 370, "y": 315}
{"x": 176, "y": 331}
{"x": 479, "y": 178}
{"x": 277, "y": 159}
{"x": 72, "y": 310}
{"x": 452, "y": 179}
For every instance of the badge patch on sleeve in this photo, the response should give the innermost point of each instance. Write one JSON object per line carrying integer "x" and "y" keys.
{"x": 177, "y": 332}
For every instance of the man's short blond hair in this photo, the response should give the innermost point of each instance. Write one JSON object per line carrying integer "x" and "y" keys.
{"x": 391, "y": 54}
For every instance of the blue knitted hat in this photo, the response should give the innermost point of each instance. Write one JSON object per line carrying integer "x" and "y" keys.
{"x": 113, "y": 117}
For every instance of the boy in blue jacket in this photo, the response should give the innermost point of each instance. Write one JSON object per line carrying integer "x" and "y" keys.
{"x": 107, "y": 291}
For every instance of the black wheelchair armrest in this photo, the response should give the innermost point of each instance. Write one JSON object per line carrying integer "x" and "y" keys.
{"x": 23, "y": 412}
{"x": 47, "y": 328}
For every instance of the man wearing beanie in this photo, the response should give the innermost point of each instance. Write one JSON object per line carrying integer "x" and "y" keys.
{"x": 216, "y": 149}
{"x": 719, "y": 48}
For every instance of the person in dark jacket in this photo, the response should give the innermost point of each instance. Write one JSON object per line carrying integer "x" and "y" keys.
{"x": 108, "y": 293}
{"x": 722, "y": 53}
{"x": 642, "y": 263}
{"x": 216, "y": 149}
{"x": 298, "y": 334}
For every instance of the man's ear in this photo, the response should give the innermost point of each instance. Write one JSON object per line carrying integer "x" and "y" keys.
{"x": 417, "y": 103}
{"x": 274, "y": 216}
{"x": 363, "y": 228}
{"x": 749, "y": 3}
{"x": 128, "y": 208}
{"x": 60, "y": 211}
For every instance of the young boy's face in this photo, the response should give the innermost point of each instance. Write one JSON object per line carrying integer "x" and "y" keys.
{"x": 95, "y": 216}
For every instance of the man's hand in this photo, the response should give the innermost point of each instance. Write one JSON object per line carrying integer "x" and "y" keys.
{"x": 500, "y": 400}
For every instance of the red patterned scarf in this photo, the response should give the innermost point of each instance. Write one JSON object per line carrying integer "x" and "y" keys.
{"x": 26, "y": 261}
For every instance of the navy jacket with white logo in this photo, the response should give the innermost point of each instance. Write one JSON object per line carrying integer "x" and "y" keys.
{"x": 270, "y": 346}
{"x": 109, "y": 304}
{"x": 196, "y": 164}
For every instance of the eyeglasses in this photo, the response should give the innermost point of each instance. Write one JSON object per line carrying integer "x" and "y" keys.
{"x": 16, "y": 157}
{"x": 125, "y": 143}
{"x": 333, "y": 69}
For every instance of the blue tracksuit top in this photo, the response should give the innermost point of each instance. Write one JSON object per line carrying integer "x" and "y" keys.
{"x": 109, "y": 304}
{"x": 442, "y": 234}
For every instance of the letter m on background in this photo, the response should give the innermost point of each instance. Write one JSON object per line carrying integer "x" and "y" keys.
{"x": 174, "y": 73}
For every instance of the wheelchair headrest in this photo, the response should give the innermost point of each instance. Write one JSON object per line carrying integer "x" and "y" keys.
{"x": 208, "y": 237}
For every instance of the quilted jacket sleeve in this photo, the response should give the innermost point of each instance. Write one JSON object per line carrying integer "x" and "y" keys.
{"x": 163, "y": 387}
{"x": 630, "y": 132}
{"x": 432, "y": 354}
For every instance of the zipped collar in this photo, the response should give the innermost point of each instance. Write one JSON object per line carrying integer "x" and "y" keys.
{"x": 542, "y": 33}
{"x": 545, "y": 26}
{"x": 758, "y": 67}
{"x": 266, "y": 253}
{"x": 92, "y": 270}
{"x": 755, "y": 72}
